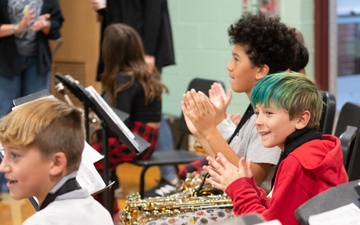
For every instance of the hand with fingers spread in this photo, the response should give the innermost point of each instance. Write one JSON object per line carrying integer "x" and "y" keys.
{"x": 223, "y": 173}
{"x": 199, "y": 110}
{"x": 219, "y": 98}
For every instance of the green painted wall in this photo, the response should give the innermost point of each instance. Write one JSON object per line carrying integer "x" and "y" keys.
{"x": 202, "y": 48}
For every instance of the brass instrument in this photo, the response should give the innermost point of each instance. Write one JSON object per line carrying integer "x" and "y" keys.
{"x": 198, "y": 147}
{"x": 140, "y": 211}
{"x": 193, "y": 194}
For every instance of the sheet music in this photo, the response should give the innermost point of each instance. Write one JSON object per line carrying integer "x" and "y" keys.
{"x": 92, "y": 154}
{"x": 87, "y": 176}
{"x": 344, "y": 215}
{"x": 113, "y": 115}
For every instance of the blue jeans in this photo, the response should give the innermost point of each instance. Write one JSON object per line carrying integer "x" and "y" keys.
{"x": 165, "y": 143}
{"x": 20, "y": 85}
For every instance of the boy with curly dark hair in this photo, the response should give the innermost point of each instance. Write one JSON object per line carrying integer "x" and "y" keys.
{"x": 261, "y": 46}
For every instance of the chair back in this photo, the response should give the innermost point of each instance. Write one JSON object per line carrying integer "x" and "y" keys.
{"x": 347, "y": 143}
{"x": 328, "y": 200}
{"x": 199, "y": 84}
{"x": 350, "y": 116}
{"x": 328, "y": 113}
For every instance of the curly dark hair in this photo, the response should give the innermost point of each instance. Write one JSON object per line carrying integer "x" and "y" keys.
{"x": 301, "y": 59}
{"x": 266, "y": 41}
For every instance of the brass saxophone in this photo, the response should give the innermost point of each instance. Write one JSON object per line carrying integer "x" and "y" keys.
{"x": 192, "y": 195}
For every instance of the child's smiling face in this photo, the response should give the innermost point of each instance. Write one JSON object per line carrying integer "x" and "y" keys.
{"x": 274, "y": 125}
{"x": 26, "y": 171}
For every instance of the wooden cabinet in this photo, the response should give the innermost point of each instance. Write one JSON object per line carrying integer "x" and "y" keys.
{"x": 79, "y": 46}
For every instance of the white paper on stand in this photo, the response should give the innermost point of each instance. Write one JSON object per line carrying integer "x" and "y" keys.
{"x": 91, "y": 153}
{"x": 113, "y": 115}
{"x": 87, "y": 176}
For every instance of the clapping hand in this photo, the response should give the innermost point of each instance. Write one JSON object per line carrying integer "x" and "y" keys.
{"x": 41, "y": 23}
{"x": 223, "y": 173}
{"x": 26, "y": 19}
{"x": 198, "y": 111}
{"x": 219, "y": 98}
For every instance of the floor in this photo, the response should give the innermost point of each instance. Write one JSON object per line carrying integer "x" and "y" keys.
{"x": 16, "y": 212}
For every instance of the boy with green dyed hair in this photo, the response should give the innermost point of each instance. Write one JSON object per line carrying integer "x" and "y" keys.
{"x": 288, "y": 108}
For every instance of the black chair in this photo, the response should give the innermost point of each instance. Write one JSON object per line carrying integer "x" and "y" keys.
{"x": 347, "y": 143}
{"x": 328, "y": 200}
{"x": 177, "y": 156}
{"x": 328, "y": 113}
{"x": 350, "y": 116}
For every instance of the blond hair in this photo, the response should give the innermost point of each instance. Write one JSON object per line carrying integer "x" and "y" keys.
{"x": 49, "y": 125}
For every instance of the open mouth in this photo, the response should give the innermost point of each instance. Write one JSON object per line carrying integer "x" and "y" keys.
{"x": 264, "y": 133}
{"x": 10, "y": 183}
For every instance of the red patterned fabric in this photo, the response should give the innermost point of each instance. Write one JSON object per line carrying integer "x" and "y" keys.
{"x": 119, "y": 152}
{"x": 194, "y": 166}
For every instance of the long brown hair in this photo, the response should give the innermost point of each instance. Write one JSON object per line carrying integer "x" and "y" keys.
{"x": 123, "y": 51}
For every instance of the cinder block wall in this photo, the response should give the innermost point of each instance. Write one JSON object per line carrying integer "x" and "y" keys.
{"x": 202, "y": 48}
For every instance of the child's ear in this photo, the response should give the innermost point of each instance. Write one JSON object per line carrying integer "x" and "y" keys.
{"x": 262, "y": 72}
{"x": 59, "y": 162}
{"x": 303, "y": 120}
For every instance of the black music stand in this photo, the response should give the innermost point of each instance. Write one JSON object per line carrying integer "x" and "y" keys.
{"x": 70, "y": 84}
{"x": 109, "y": 120}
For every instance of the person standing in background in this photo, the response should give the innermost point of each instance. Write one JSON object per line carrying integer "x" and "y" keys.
{"x": 150, "y": 18}
{"x": 25, "y": 58}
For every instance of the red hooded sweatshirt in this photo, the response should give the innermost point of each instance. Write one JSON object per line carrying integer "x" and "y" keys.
{"x": 310, "y": 169}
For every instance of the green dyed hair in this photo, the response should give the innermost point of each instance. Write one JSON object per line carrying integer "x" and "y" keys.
{"x": 293, "y": 92}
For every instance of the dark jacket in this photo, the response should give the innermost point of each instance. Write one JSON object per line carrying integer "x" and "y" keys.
{"x": 150, "y": 18}
{"x": 8, "y": 50}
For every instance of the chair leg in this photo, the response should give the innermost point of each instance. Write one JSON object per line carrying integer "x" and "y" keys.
{"x": 142, "y": 181}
